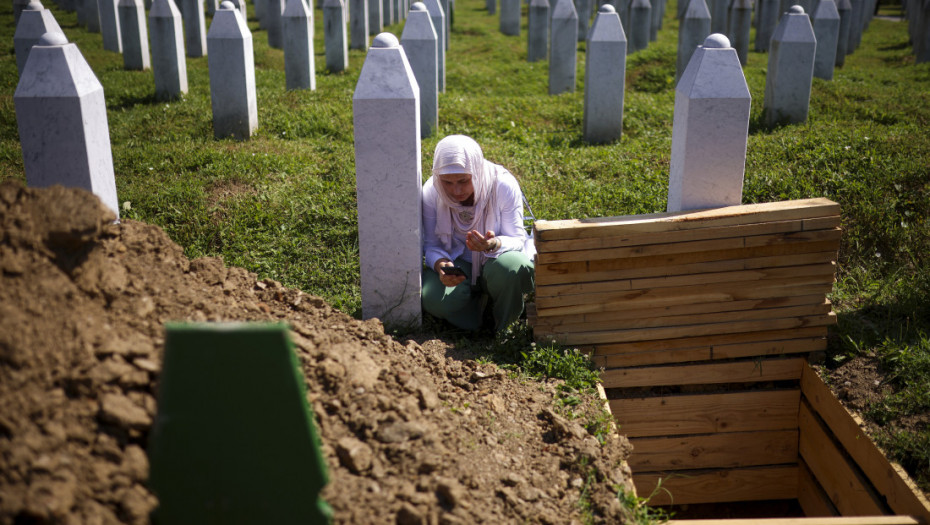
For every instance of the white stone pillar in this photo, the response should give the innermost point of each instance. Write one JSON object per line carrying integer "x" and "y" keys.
{"x": 718, "y": 15}
{"x": 334, "y": 36}
{"x": 274, "y": 10}
{"x": 387, "y": 13}
{"x": 623, "y": 9}
{"x": 790, "y": 70}
{"x": 261, "y": 13}
{"x": 537, "y": 31}
{"x": 168, "y": 63}
{"x": 62, "y": 119}
{"x": 563, "y": 55}
{"x": 386, "y": 120}
{"x": 510, "y": 17}
{"x": 232, "y": 75}
{"x": 640, "y": 22}
{"x": 299, "y": 64}
{"x": 605, "y": 73}
{"x": 34, "y": 21}
{"x": 766, "y": 20}
{"x": 375, "y": 19}
{"x": 655, "y": 20}
{"x": 843, "y": 7}
{"x": 109, "y": 25}
{"x": 92, "y": 20}
{"x": 420, "y": 43}
{"x": 447, "y": 10}
{"x": 694, "y": 28}
{"x": 18, "y": 7}
{"x": 195, "y": 28}
{"x": 134, "y": 34}
{"x": 358, "y": 23}
{"x": 855, "y": 25}
{"x": 584, "y": 9}
{"x": 739, "y": 22}
{"x": 437, "y": 14}
{"x": 827, "y": 31}
{"x": 710, "y": 130}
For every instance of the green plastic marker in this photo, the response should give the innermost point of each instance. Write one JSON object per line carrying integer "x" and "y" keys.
{"x": 234, "y": 440}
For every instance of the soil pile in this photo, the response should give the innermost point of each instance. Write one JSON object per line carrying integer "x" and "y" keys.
{"x": 410, "y": 434}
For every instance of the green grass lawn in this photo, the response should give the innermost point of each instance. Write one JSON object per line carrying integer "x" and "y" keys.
{"x": 283, "y": 205}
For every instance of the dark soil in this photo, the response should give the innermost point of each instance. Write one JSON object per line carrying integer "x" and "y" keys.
{"x": 410, "y": 434}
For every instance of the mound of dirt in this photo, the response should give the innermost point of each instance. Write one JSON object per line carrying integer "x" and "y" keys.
{"x": 410, "y": 434}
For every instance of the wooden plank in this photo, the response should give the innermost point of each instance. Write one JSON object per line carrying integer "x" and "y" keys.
{"x": 704, "y": 374}
{"x": 845, "y": 486}
{"x": 791, "y": 346}
{"x": 729, "y": 450}
{"x": 853, "y": 520}
{"x": 724, "y": 232}
{"x": 687, "y": 220}
{"x": 821, "y": 223}
{"x": 811, "y": 496}
{"x": 889, "y": 480}
{"x": 715, "y": 341}
{"x": 707, "y": 413}
{"x": 547, "y": 326}
{"x": 699, "y": 330}
{"x": 545, "y": 271}
{"x": 719, "y": 486}
{"x": 660, "y": 270}
{"x": 686, "y": 247}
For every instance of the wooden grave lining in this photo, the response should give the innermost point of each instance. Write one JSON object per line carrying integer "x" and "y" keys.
{"x": 699, "y": 320}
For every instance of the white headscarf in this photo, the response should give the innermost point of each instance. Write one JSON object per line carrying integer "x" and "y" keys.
{"x": 461, "y": 154}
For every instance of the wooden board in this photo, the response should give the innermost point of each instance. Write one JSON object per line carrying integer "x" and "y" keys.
{"x": 889, "y": 480}
{"x": 715, "y": 342}
{"x": 811, "y": 496}
{"x": 703, "y": 374}
{"x": 846, "y": 487}
{"x": 710, "y": 352}
{"x": 854, "y": 520}
{"x": 707, "y": 413}
{"x": 728, "y": 450}
{"x": 686, "y": 220}
{"x": 717, "y": 486}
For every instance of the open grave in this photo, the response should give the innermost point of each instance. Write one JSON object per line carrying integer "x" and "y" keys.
{"x": 703, "y": 321}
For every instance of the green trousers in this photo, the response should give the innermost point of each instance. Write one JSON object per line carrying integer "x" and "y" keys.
{"x": 502, "y": 282}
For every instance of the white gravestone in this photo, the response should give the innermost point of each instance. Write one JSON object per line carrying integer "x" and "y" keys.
{"x": 134, "y": 34}
{"x": 790, "y": 70}
{"x": 34, "y": 22}
{"x": 694, "y": 28}
{"x": 623, "y": 9}
{"x": 510, "y": 17}
{"x": 168, "y": 63}
{"x": 334, "y": 36}
{"x": 710, "y": 130}
{"x": 92, "y": 20}
{"x": 605, "y": 73}
{"x": 261, "y": 13}
{"x": 437, "y": 14}
{"x": 420, "y": 43}
{"x": 358, "y": 24}
{"x": 766, "y": 20}
{"x": 584, "y": 9}
{"x": 232, "y": 75}
{"x": 827, "y": 31}
{"x": 718, "y": 15}
{"x": 299, "y": 65}
{"x": 62, "y": 119}
{"x": 922, "y": 32}
{"x": 855, "y": 25}
{"x": 655, "y": 20}
{"x": 274, "y": 10}
{"x": 491, "y": 6}
{"x": 842, "y": 7}
{"x": 375, "y": 19}
{"x": 386, "y": 119}
{"x": 739, "y": 22}
{"x": 195, "y": 28}
{"x": 109, "y": 25}
{"x": 563, "y": 56}
{"x": 387, "y": 13}
{"x": 640, "y": 23}
{"x": 447, "y": 10}
{"x": 537, "y": 29}
{"x": 18, "y": 7}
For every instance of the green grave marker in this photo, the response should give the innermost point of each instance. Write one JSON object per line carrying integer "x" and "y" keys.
{"x": 234, "y": 440}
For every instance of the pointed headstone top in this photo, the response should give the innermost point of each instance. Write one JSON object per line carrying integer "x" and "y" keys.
{"x": 52, "y": 39}
{"x": 717, "y": 41}
{"x": 607, "y": 8}
{"x": 34, "y": 5}
{"x": 385, "y": 40}
{"x": 796, "y": 9}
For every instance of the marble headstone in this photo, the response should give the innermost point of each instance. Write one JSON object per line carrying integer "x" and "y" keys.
{"x": 655, "y": 20}
{"x": 34, "y": 22}
{"x": 739, "y": 22}
{"x": 710, "y": 130}
{"x": 92, "y": 16}
{"x": 168, "y": 63}
{"x": 375, "y": 18}
{"x": 358, "y": 24}
{"x": 18, "y": 7}
{"x": 605, "y": 73}
{"x": 387, "y": 12}
{"x": 640, "y": 24}
{"x": 584, "y": 9}
{"x": 274, "y": 10}
{"x": 195, "y": 28}
{"x": 491, "y": 6}
{"x": 563, "y": 55}
{"x": 694, "y": 28}
{"x": 420, "y": 43}
{"x": 827, "y": 31}
{"x": 537, "y": 30}
{"x": 386, "y": 120}
{"x": 843, "y": 7}
{"x": 437, "y": 15}
{"x": 109, "y": 25}
{"x": 718, "y": 15}
{"x": 134, "y": 34}
{"x": 510, "y": 17}
{"x": 62, "y": 118}
{"x": 232, "y": 75}
{"x": 299, "y": 69}
{"x": 855, "y": 25}
{"x": 334, "y": 36}
{"x": 790, "y": 69}
{"x": 766, "y": 20}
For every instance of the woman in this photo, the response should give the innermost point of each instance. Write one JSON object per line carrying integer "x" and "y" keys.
{"x": 474, "y": 240}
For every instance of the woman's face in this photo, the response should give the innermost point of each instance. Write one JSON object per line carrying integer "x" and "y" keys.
{"x": 458, "y": 186}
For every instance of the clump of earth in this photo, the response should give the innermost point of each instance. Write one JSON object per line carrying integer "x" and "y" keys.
{"x": 410, "y": 431}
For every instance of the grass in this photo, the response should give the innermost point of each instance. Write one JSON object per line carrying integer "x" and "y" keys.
{"x": 283, "y": 205}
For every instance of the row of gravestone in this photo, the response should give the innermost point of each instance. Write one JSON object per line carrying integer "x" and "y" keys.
{"x": 918, "y": 27}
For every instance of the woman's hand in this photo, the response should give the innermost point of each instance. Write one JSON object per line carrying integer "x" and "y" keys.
{"x": 482, "y": 243}
{"x": 450, "y": 281}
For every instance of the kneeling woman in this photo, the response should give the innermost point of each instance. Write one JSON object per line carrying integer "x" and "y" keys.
{"x": 474, "y": 239}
